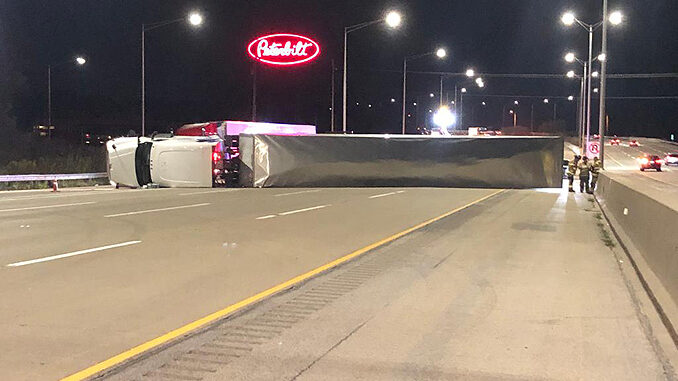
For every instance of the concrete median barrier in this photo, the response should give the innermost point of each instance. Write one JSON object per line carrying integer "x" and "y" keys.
{"x": 646, "y": 222}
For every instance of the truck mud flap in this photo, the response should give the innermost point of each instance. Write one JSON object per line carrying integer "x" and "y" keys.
{"x": 142, "y": 163}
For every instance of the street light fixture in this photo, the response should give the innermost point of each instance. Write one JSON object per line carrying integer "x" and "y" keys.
{"x": 615, "y": 18}
{"x": 393, "y": 19}
{"x": 602, "y": 57}
{"x": 570, "y": 57}
{"x": 195, "y": 19}
{"x": 79, "y": 60}
{"x": 570, "y": 74}
{"x": 516, "y": 103}
{"x": 463, "y": 90}
{"x": 570, "y": 98}
{"x": 470, "y": 73}
{"x": 595, "y": 74}
{"x": 444, "y": 118}
{"x": 440, "y": 53}
{"x": 546, "y": 100}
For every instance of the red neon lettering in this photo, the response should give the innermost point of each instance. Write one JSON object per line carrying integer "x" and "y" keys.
{"x": 283, "y": 49}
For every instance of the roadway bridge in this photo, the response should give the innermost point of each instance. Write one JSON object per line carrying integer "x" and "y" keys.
{"x": 316, "y": 284}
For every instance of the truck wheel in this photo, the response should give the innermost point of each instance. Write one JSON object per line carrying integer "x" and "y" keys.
{"x": 642, "y": 169}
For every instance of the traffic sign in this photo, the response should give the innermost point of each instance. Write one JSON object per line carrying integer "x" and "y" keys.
{"x": 593, "y": 149}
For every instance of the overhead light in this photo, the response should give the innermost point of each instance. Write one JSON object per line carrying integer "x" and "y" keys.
{"x": 393, "y": 19}
{"x": 195, "y": 19}
{"x": 546, "y": 100}
{"x": 570, "y": 98}
{"x": 444, "y": 118}
{"x": 570, "y": 57}
{"x": 431, "y": 95}
{"x": 568, "y": 18}
{"x": 602, "y": 57}
{"x": 80, "y": 60}
{"x": 616, "y": 18}
{"x": 570, "y": 74}
{"x": 441, "y": 53}
{"x": 595, "y": 74}
{"x": 463, "y": 89}
{"x": 470, "y": 73}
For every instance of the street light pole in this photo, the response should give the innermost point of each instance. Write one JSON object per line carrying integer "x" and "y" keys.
{"x": 603, "y": 69}
{"x": 393, "y": 20}
{"x": 143, "y": 80}
{"x": 590, "y": 65}
{"x": 49, "y": 101}
{"x": 404, "y": 94}
{"x": 194, "y": 19}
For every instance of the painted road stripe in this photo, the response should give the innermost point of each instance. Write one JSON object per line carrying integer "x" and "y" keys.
{"x": 73, "y": 254}
{"x": 299, "y": 192}
{"x": 210, "y": 191}
{"x": 303, "y": 210}
{"x": 47, "y": 206}
{"x": 154, "y": 343}
{"x": 156, "y": 210}
{"x": 386, "y": 194}
{"x": 266, "y": 217}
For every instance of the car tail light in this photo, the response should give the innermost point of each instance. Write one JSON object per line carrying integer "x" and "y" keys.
{"x": 216, "y": 154}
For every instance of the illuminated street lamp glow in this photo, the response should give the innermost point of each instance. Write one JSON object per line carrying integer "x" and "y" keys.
{"x": 516, "y": 103}
{"x": 510, "y": 111}
{"x": 80, "y": 60}
{"x": 470, "y": 73}
{"x": 393, "y": 19}
{"x": 568, "y": 18}
{"x": 392, "y": 100}
{"x": 570, "y": 98}
{"x": 414, "y": 104}
{"x": 595, "y": 90}
{"x": 444, "y": 118}
{"x": 463, "y": 89}
{"x": 481, "y": 84}
{"x": 595, "y": 74}
{"x": 616, "y": 18}
{"x": 431, "y": 95}
{"x": 195, "y": 19}
{"x": 479, "y": 80}
{"x": 570, "y": 57}
{"x": 570, "y": 74}
{"x": 602, "y": 57}
{"x": 441, "y": 53}
{"x": 546, "y": 100}
{"x": 483, "y": 103}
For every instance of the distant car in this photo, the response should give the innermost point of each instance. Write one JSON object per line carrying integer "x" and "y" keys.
{"x": 633, "y": 143}
{"x": 651, "y": 162}
{"x": 671, "y": 159}
{"x": 615, "y": 141}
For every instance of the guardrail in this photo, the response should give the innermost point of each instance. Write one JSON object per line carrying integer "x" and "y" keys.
{"x": 55, "y": 176}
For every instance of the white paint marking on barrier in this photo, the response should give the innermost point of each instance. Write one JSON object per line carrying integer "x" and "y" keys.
{"x": 47, "y": 206}
{"x": 386, "y": 194}
{"x": 72, "y": 254}
{"x": 298, "y": 192}
{"x": 156, "y": 210}
{"x": 303, "y": 210}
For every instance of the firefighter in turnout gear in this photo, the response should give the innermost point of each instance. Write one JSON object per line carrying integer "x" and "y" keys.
{"x": 571, "y": 171}
{"x": 595, "y": 170}
{"x": 584, "y": 170}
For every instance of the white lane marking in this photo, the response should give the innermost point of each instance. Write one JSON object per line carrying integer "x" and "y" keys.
{"x": 303, "y": 210}
{"x": 210, "y": 191}
{"x": 299, "y": 192}
{"x": 47, "y": 206}
{"x": 386, "y": 194}
{"x": 72, "y": 254}
{"x": 156, "y": 210}
{"x": 266, "y": 217}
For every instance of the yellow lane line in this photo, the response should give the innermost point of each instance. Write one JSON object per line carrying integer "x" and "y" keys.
{"x": 130, "y": 353}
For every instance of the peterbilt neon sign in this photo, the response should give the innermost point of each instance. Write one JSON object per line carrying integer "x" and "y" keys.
{"x": 283, "y": 49}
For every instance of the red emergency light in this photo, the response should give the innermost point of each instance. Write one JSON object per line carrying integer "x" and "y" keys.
{"x": 283, "y": 49}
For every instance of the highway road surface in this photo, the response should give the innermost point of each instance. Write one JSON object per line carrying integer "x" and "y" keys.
{"x": 623, "y": 158}
{"x": 488, "y": 284}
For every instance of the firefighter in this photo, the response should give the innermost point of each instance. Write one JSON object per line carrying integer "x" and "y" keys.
{"x": 571, "y": 171}
{"x": 595, "y": 170}
{"x": 584, "y": 171}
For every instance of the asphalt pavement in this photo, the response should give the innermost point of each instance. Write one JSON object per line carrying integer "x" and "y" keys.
{"x": 88, "y": 274}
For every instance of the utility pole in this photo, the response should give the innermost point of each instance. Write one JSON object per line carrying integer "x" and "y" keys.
{"x": 254, "y": 93}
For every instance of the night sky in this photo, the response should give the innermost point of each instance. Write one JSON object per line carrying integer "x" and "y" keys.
{"x": 200, "y": 74}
